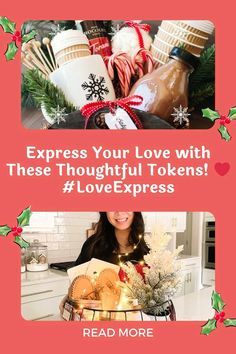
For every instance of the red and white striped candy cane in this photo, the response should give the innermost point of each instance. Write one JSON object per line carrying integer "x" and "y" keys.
{"x": 143, "y": 67}
{"x": 123, "y": 64}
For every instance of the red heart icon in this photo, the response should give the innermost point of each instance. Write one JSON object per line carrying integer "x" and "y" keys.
{"x": 222, "y": 168}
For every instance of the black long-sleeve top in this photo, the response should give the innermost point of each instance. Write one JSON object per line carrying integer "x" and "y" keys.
{"x": 111, "y": 256}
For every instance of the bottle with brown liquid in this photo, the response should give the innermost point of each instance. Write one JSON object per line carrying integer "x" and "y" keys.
{"x": 167, "y": 87}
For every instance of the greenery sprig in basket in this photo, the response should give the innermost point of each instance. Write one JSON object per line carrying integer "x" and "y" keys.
{"x": 202, "y": 81}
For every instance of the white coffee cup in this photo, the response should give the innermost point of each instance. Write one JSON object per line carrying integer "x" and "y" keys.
{"x": 84, "y": 80}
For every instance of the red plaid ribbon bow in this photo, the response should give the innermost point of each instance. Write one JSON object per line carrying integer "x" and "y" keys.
{"x": 125, "y": 103}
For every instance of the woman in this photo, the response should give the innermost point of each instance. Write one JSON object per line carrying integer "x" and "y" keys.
{"x": 118, "y": 237}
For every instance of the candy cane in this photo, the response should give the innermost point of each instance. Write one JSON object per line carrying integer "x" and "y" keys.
{"x": 139, "y": 64}
{"x": 124, "y": 67}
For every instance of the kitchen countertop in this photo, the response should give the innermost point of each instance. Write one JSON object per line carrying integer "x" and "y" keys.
{"x": 47, "y": 276}
{"x": 194, "y": 306}
{"x": 184, "y": 256}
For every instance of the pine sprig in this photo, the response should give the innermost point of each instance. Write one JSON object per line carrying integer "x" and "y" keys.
{"x": 202, "y": 81}
{"x": 27, "y": 100}
{"x": 45, "y": 92}
{"x": 204, "y": 91}
{"x": 206, "y": 70}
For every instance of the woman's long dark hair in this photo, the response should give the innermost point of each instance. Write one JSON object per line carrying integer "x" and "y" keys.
{"x": 105, "y": 242}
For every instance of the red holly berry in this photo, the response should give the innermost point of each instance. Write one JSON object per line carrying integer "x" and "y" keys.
{"x": 17, "y": 34}
{"x": 16, "y": 230}
{"x": 220, "y": 316}
{"x": 223, "y": 117}
{"x": 224, "y": 120}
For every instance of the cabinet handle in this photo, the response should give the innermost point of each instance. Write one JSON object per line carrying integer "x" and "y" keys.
{"x": 190, "y": 275}
{"x": 38, "y": 293}
{"x": 174, "y": 222}
{"x": 187, "y": 278}
{"x": 190, "y": 265}
{"x": 40, "y": 318}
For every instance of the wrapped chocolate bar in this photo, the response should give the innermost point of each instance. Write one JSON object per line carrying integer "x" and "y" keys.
{"x": 82, "y": 77}
{"x": 119, "y": 115}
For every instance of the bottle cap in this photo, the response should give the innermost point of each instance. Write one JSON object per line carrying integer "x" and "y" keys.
{"x": 185, "y": 56}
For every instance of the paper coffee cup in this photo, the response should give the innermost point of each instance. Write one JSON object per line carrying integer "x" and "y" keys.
{"x": 84, "y": 80}
{"x": 200, "y": 27}
{"x": 71, "y": 53}
{"x": 69, "y": 45}
{"x": 183, "y": 33}
{"x": 176, "y": 42}
{"x": 159, "y": 56}
{"x": 160, "y": 45}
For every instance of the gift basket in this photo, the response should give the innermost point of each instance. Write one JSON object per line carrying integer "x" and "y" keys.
{"x": 130, "y": 291}
{"x": 124, "y": 77}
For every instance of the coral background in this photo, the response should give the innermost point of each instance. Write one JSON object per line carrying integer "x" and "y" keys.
{"x": 212, "y": 193}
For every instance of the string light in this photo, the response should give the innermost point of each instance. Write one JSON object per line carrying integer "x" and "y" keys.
{"x": 126, "y": 254}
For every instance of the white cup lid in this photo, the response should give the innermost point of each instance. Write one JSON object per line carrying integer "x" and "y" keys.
{"x": 68, "y": 38}
{"x": 204, "y": 26}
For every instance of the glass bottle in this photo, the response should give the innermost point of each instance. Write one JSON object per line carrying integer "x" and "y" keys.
{"x": 36, "y": 257}
{"x": 167, "y": 87}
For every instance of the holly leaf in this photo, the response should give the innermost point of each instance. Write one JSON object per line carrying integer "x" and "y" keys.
{"x": 7, "y": 25}
{"x": 208, "y": 327}
{"x": 24, "y": 218}
{"x": 224, "y": 133}
{"x": 21, "y": 242}
{"x": 27, "y": 37}
{"x": 5, "y": 230}
{"x": 217, "y": 302}
{"x": 209, "y": 113}
{"x": 11, "y": 51}
{"x": 232, "y": 113}
{"x": 230, "y": 322}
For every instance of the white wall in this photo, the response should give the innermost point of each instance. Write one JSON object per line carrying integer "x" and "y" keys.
{"x": 66, "y": 236}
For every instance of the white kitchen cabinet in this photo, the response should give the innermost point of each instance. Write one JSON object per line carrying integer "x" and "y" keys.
{"x": 191, "y": 275}
{"x": 41, "y": 294}
{"x": 208, "y": 277}
{"x": 170, "y": 221}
